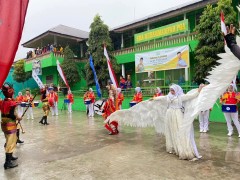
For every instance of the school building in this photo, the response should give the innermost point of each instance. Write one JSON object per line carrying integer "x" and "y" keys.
{"x": 155, "y": 50}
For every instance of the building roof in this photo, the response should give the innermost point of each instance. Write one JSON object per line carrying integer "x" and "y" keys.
{"x": 61, "y": 32}
{"x": 168, "y": 13}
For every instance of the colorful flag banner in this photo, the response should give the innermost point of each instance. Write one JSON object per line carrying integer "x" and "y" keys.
{"x": 12, "y": 18}
{"x": 37, "y": 79}
{"x": 95, "y": 77}
{"x": 60, "y": 71}
{"x": 110, "y": 69}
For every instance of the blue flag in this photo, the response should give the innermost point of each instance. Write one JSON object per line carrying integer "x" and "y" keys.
{"x": 95, "y": 77}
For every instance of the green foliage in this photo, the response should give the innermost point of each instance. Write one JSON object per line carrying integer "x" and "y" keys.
{"x": 69, "y": 68}
{"x": 210, "y": 38}
{"x": 99, "y": 35}
{"x": 19, "y": 73}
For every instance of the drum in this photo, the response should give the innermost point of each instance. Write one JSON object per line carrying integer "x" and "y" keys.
{"x": 66, "y": 101}
{"x": 23, "y": 104}
{"x": 87, "y": 101}
{"x": 36, "y": 103}
{"x": 28, "y": 104}
{"x": 98, "y": 105}
{"x": 133, "y": 103}
{"x": 229, "y": 108}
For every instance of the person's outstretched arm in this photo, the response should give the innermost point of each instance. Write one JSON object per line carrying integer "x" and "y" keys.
{"x": 231, "y": 41}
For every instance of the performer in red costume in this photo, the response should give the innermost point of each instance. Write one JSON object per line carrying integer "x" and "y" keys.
{"x": 120, "y": 98}
{"x": 138, "y": 95}
{"x": 53, "y": 101}
{"x": 158, "y": 92}
{"x": 71, "y": 100}
{"x": 230, "y": 111}
{"x": 92, "y": 97}
{"x": 28, "y": 98}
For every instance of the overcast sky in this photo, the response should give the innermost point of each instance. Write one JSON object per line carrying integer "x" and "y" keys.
{"x": 45, "y": 14}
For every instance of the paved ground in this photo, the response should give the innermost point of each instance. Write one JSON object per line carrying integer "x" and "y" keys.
{"x": 77, "y": 147}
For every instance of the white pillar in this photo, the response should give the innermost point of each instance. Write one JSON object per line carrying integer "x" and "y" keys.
{"x": 122, "y": 43}
{"x": 81, "y": 50}
{"x": 55, "y": 40}
{"x": 186, "y": 74}
{"x": 184, "y": 16}
{"x": 148, "y": 27}
{"x": 123, "y": 70}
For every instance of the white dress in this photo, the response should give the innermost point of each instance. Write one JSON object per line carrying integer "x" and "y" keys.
{"x": 175, "y": 142}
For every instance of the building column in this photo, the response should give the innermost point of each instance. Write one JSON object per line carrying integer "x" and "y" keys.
{"x": 122, "y": 42}
{"x": 55, "y": 40}
{"x": 186, "y": 74}
{"x": 123, "y": 70}
{"x": 184, "y": 16}
{"x": 81, "y": 50}
{"x": 148, "y": 27}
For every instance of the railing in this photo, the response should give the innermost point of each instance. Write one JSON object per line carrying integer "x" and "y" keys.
{"x": 146, "y": 91}
{"x": 157, "y": 44}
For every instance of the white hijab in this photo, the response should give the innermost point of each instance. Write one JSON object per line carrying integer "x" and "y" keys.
{"x": 119, "y": 90}
{"x": 90, "y": 89}
{"x": 138, "y": 89}
{"x": 159, "y": 90}
{"x": 178, "y": 92}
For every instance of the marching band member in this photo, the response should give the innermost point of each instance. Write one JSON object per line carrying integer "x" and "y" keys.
{"x": 85, "y": 97}
{"x": 45, "y": 106}
{"x": 158, "y": 92}
{"x": 28, "y": 98}
{"x": 20, "y": 99}
{"x": 138, "y": 95}
{"x": 120, "y": 98}
{"x": 71, "y": 100}
{"x": 9, "y": 127}
{"x": 109, "y": 107}
{"x": 204, "y": 121}
{"x": 91, "y": 96}
{"x": 230, "y": 111}
{"x": 53, "y": 101}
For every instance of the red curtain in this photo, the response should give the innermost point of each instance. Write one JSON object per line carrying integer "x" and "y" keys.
{"x": 12, "y": 17}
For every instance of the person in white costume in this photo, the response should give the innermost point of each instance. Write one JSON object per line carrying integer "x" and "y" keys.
{"x": 204, "y": 121}
{"x": 174, "y": 116}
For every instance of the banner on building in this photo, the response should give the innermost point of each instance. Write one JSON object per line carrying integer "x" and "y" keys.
{"x": 164, "y": 59}
{"x": 171, "y": 29}
{"x": 37, "y": 79}
{"x": 36, "y": 67}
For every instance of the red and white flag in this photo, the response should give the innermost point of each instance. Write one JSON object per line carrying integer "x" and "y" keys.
{"x": 12, "y": 18}
{"x": 110, "y": 69}
{"x": 223, "y": 26}
{"x": 60, "y": 71}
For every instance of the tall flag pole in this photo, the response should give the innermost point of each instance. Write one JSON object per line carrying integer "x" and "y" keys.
{"x": 110, "y": 69}
{"x": 61, "y": 73}
{"x": 95, "y": 77}
{"x": 12, "y": 18}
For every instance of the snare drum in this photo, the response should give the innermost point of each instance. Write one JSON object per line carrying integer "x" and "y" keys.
{"x": 23, "y": 104}
{"x": 66, "y": 101}
{"x": 36, "y": 104}
{"x": 226, "y": 108}
{"x": 87, "y": 101}
{"x": 133, "y": 103}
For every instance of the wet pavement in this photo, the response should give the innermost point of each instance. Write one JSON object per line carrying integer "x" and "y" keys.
{"x": 77, "y": 147}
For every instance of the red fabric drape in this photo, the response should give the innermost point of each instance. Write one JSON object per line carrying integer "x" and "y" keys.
{"x": 12, "y": 17}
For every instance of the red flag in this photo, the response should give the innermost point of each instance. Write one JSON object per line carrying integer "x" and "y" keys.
{"x": 12, "y": 17}
{"x": 110, "y": 69}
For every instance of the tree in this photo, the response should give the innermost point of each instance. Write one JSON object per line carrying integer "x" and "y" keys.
{"x": 19, "y": 73}
{"x": 70, "y": 68}
{"x": 210, "y": 37}
{"x": 98, "y": 36}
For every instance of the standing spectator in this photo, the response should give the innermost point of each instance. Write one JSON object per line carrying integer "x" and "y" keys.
{"x": 128, "y": 82}
{"x": 92, "y": 97}
{"x": 48, "y": 47}
{"x": 51, "y": 48}
{"x": 122, "y": 83}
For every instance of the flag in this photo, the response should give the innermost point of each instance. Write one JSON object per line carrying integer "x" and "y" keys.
{"x": 12, "y": 18}
{"x": 61, "y": 73}
{"x": 223, "y": 26}
{"x": 37, "y": 79}
{"x": 95, "y": 77}
{"x": 110, "y": 69}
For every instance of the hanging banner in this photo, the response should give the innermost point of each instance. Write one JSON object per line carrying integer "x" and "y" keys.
{"x": 164, "y": 59}
{"x": 37, "y": 79}
{"x": 36, "y": 67}
{"x": 171, "y": 29}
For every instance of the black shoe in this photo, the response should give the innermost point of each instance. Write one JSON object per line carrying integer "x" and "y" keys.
{"x": 19, "y": 141}
{"x": 45, "y": 121}
{"x": 8, "y": 163}
{"x": 42, "y": 120}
